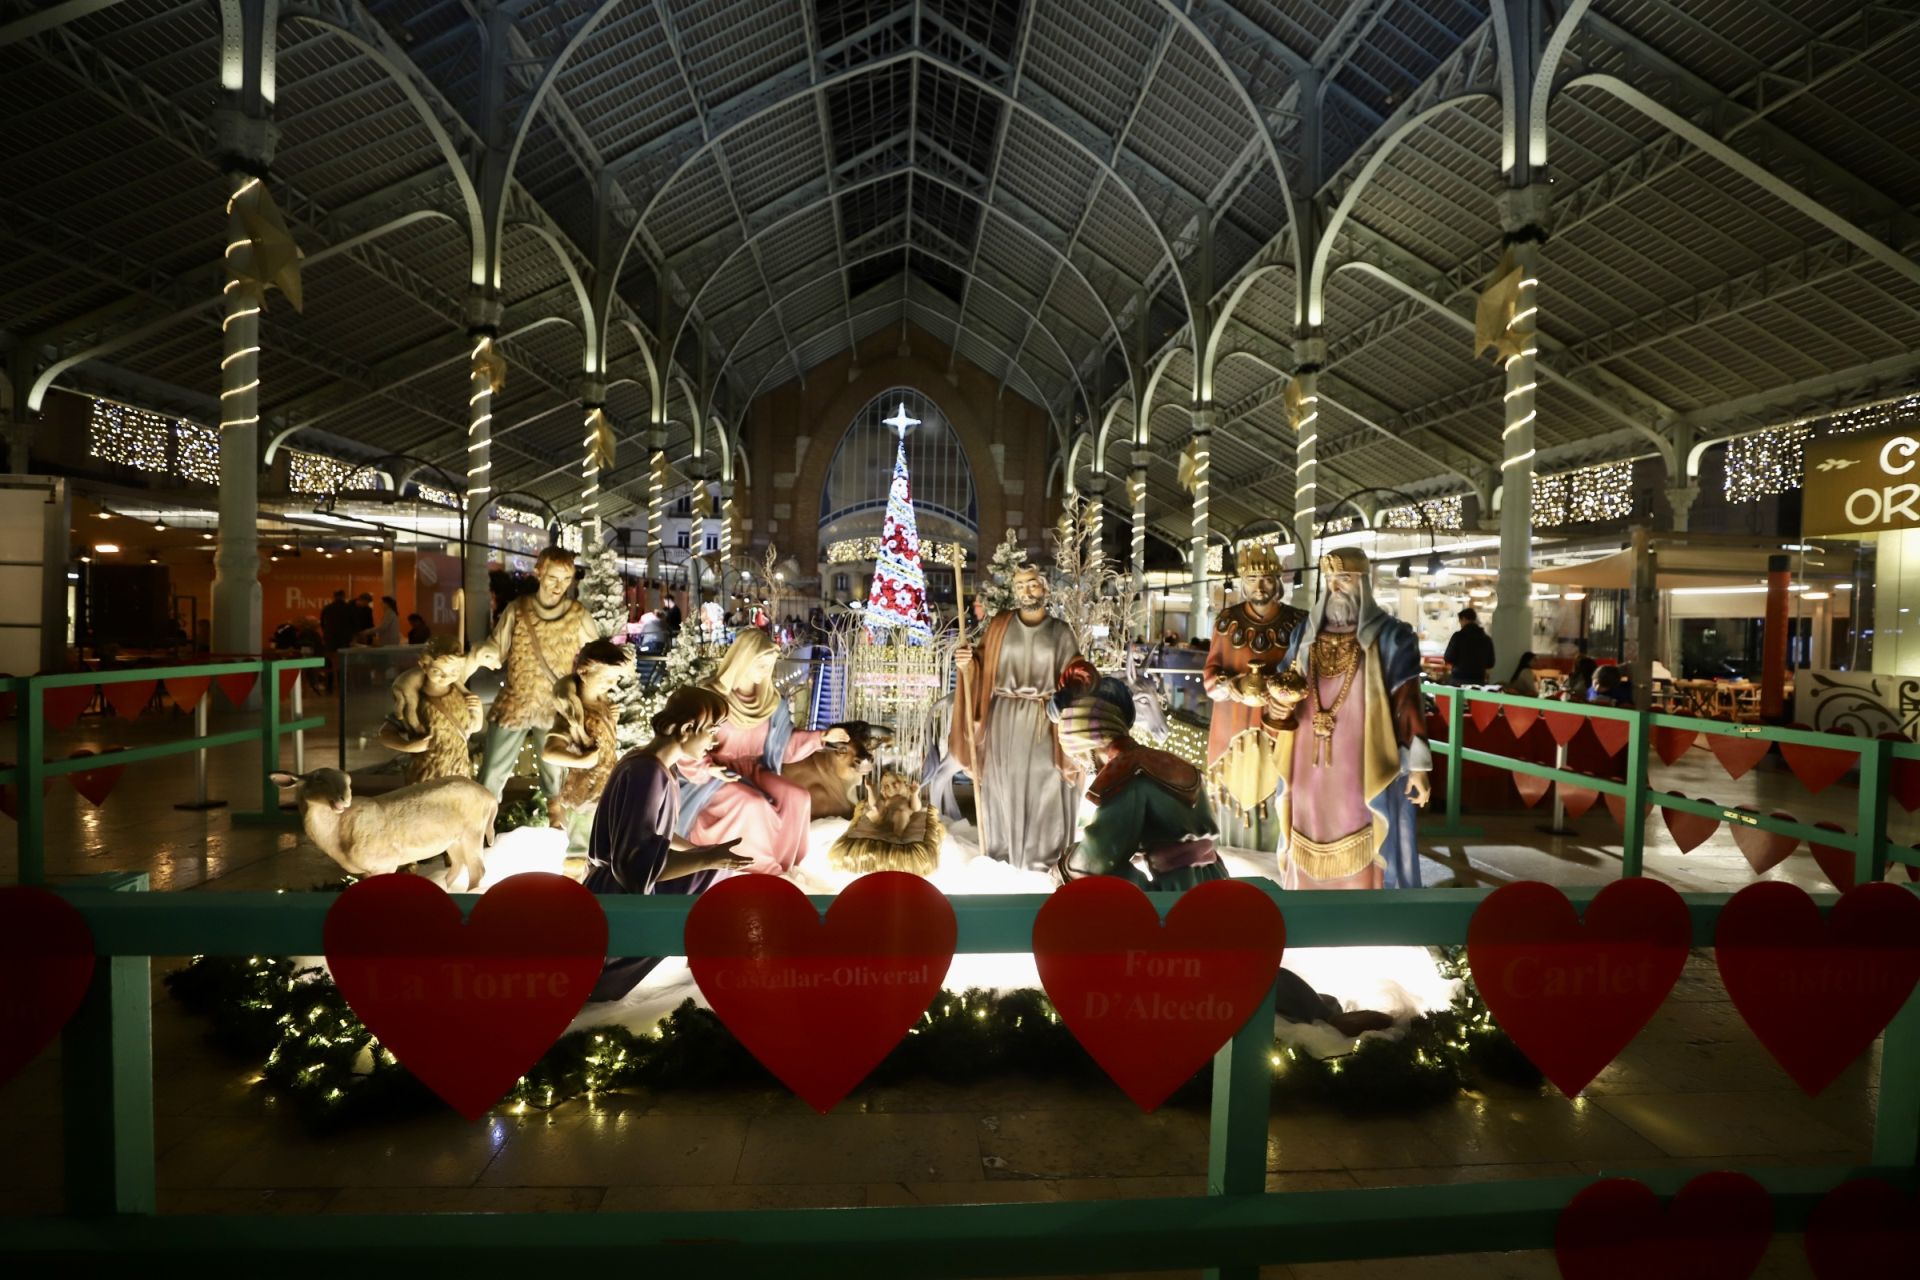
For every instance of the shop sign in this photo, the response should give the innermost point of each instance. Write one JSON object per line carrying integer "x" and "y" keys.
{"x": 1861, "y": 484}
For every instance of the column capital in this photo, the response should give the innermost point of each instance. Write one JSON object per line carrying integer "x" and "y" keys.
{"x": 593, "y": 393}
{"x": 244, "y": 143}
{"x": 1309, "y": 352}
{"x": 1205, "y": 418}
{"x": 1525, "y": 211}
{"x": 1095, "y": 485}
{"x": 484, "y": 310}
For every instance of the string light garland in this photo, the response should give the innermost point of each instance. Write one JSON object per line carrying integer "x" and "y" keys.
{"x": 320, "y": 1056}
{"x": 1441, "y": 513}
{"x": 130, "y": 437}
{"x": 196, "y": 452}
{"x": 857, "y": 550}
{"x": 509, "y": 515}
{"x": 435, "y": 496}
{"x": 318, "y": 473}
{"x": 1768, "y": 463}
{"x": 1585, "y": 496}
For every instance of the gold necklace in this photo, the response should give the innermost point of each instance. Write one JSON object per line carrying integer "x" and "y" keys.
{"x": 1330, "y": 655}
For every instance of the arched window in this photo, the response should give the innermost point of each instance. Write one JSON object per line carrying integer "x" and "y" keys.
{"x": 855, "y": 501}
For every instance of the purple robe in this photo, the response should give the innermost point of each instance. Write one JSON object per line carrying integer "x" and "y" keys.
{"x": 632, "y": 832}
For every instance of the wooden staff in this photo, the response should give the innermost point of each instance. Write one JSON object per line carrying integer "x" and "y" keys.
{"x": 963, "y": 700}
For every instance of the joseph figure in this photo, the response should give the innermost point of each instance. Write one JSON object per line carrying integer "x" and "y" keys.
{"x": 1249, "y": 646}
{"x": 1351, "y": 739}
{"x": 1026, "y": 791}
{"x": 537, "y": 636}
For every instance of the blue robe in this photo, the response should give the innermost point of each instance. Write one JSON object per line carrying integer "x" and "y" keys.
{"x": 1394, "y": 650}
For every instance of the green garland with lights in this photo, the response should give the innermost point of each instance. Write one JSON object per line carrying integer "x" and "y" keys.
{"x": 319, "y": 1054}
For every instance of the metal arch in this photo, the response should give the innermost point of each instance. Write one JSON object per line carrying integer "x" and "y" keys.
{"x": 589, "y": 334}
{"x": 889, "y": 251}
{"x": 1323, "y": 251}
{"x": 384, "y": 54}
{"x": 875, "y": 179}
{"x": 1143, "y": 416}
{"x": 1546, "y": 371}
{"x": 1039, "y": 398}
{"x": 1758, "y": 174}
{"x": 1543, "y": 87}
{"x": 656, "y": 401}
{"x": 400, "y": 478}
{"x": 694, "y": 424}
{"x": 37, "y": 394}
{"x": 867, "y": 68}
{"x": 485, "y": 509}
{"x": 1106, "y": 425}
{"x": 1219, "y": 331}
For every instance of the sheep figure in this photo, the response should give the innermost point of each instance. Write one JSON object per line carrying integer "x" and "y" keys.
{"x": 377, "y": 834}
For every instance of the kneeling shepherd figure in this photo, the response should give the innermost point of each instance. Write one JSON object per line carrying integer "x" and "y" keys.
{"x": 1147, "y": 802}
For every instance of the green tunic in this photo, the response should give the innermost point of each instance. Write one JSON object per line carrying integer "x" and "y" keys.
{"x": 1147, "y": 801}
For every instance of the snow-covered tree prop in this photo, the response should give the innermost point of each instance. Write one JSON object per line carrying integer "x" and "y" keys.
{"x": 604, "y": 592}
{"x": 1087, "y": 594}
{"x": 899, "y": 595}
{"x": 996, "y": 584}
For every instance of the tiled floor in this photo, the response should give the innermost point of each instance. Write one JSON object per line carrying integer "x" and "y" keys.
{"x": 1694, "y": 1089}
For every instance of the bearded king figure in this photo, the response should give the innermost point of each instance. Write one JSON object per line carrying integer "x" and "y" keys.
{"x": 1249, "y": 648}
{"x": 1350, "y": 739}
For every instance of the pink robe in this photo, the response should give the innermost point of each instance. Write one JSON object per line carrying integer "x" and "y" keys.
{"x": 766, "y": 813}
{"x": 1327, "y": 803}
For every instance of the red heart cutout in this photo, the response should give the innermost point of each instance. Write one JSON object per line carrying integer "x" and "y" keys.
{"x": 62, "y": 706}
{"x": 1573, "y": 993}
{"x": 1717, "y": 1228}
{"x": 1763, "y": 850}
{"x": 1483, "y": 714}
{"x": 1783, "y": 964}
{"x": 821, "y": 1002}
{"x": 1617, "y": 806}
{"x": 1521, "y": 719}
{"x": 97, "y": 784}
{"x": 1576, "y": 800}
{"x": 1836, "y": 864}
{"x": 129, "y": 698}
{"x": 1613, "y": 734}
{"x": 186, "y": 692}
{"x": 238, "y": 686}
{"x": 467, "y": 1006}
{"x": 289, "y": 676}
{"x": 46, "y": 965}
{"x": 1151, "y": 1002}
{"x": 1862, "y": 1230}
{"x": 1441, "y": 702}
{"x": 1689, "y": 830}
{"x": 1531, "y": 788}
{"x": 1670, "y": 744}
{"x": 1563, "y": 725}
{"x": 1737, "y": 755}
{"x": 1817, "y": 767}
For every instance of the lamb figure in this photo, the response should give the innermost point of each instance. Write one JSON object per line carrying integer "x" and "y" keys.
{"x": 378, "y": 834}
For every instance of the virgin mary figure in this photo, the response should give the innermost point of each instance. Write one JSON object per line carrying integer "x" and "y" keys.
{"x": 737, "y": 792}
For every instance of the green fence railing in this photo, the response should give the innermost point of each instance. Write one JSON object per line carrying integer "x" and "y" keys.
{"x": 1868, "y": 841}
{"x": 31, "y": 768}
{"x": 1234, "y": 1229}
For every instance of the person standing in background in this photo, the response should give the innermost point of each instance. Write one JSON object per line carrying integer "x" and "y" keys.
{"x": 1470, "y": 652}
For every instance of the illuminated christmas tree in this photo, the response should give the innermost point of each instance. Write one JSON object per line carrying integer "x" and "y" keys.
{"x": 898, "y": 597}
